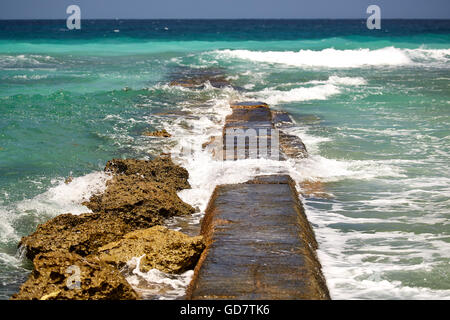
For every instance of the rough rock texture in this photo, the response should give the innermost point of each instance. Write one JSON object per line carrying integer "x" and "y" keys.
{"x": 292, "y": 146}
{"x": 81, "y": 234}
{"x": 141, "y": 190}
{"x": 161, "y": 169}
{"x": 163, "y": 249}
{"x": 139, "y": 195}
{"x": 54, "y": 273}
{"x": 161, "y": 133}
{"x": 281, "y": 119}
{"x": 138, "y": 200}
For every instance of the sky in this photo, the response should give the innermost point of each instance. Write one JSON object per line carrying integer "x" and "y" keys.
{"x": 224, "y": 9}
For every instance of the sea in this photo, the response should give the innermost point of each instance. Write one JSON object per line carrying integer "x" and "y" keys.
{"x": 371, "y": 106}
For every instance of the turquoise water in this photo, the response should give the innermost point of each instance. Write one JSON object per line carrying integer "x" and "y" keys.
{"x": 373, "y": 108}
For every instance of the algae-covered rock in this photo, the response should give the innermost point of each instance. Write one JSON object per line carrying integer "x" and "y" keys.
{"x": 68, "y": 276}
{"x": 163, "y": 249}
{"x": 81, "y": 234}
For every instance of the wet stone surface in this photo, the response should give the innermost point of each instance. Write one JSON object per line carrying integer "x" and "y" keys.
{"x": 259, "y": 245}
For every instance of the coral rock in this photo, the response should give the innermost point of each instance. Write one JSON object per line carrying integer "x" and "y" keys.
{"x": 163, "y": 249}
{"x": 55, "y": 276}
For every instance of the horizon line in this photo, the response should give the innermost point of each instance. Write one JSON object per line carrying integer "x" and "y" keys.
{"x": 364, "y": 18}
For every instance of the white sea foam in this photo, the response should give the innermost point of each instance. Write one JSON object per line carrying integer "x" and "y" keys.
{"x": 322, "y": 90}
{"x": 7, "y": 231}
{"x": 63, "y": 198}
{"x": 155, "y": 283}
{"x": 333, "y": 58}
{"x": 359, "y": 265}
{"x": 345, "y": 81}
{"x": 25, "y": 61}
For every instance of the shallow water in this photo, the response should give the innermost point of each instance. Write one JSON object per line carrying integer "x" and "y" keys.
{"x": 371, "y": 106}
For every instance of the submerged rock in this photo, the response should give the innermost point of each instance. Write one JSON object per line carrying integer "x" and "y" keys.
{"x": 55, "y": 276}
{"x": 161, "y": 133}
{"x": 68, "y": 180}
{"x": 163, "y": 249}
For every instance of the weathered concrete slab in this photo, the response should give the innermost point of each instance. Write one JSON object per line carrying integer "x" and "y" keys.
{"x": 254, "y": 128}
{"x": 259, "y": 245}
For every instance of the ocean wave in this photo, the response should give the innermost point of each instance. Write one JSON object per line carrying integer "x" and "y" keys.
{"x": 322, "y": 91}
{"x": 64, "y": 198}
{"x": 30, "y": 77}
{"x": 333, "y": 58}
{"x": 362, "y": 265}
{"x": 26, "y": 61}
{"x": 155, "y": 283}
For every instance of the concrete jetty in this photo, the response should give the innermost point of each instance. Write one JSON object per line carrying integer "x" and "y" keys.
{"x": 253, "y": 130}
{"x": 260, "y": 244}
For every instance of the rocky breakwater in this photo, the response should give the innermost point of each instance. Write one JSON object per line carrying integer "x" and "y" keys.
{"x": 124, "y": 223}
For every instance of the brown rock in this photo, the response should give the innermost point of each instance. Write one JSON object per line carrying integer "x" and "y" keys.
{"x": 138, "y": 200}
{"x": 292, "y": 146}
{"x": 81, "y": 234}
{"x": 163, "y": 249}
{"x": 68, "y": 180}
{"x": 54, "y": 277}
{"x": 142, "y": 190}
{"x": 161, "y": 133}
{"x": 314, "y": 189}
{"x": 161, "y": 169}
{"x": 139, "y": 195}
